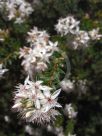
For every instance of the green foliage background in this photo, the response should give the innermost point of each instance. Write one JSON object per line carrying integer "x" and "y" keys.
{"x": 85, "y": 64}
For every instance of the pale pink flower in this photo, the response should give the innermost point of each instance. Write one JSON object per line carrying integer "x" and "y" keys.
{"x": 34, "y": 103}
{"x": 50, "y": 99}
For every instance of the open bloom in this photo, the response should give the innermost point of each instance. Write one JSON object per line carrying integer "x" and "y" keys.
{"x": 36, "y": 36}
{"x": 35, "y": 102}
{"x": 50, "y": 99}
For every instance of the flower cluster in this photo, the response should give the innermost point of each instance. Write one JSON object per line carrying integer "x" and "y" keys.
{"x": 35, "y": 102}
{"x": 36, "y": 36}
{"x": 69, "y": 111}
{"x": 80, "y": 38}
{"x": 2, "y": 71}
{"x": 67, "y": 25}
{"x": 18, "y": 10}
{"x": 36, "y": 57}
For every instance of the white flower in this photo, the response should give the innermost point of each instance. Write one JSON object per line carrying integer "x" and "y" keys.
{"x": 24, "y": 51}
{"x": 37, "y": 37}
{"x": 81, "y": 39}
{"x": 94, "y": 34}
{"x": 2, "y": 71}
{"x": 50, "y": 99}
{"x": 53, "y": 46}
{"x": 69, "y": 111}
{"x": 67, "y": 85}
{"x": 67, "y": 25}
{"x": 36, "y": 57}
{"x": 18, "y": 10}
{"x": 35, "y": 102}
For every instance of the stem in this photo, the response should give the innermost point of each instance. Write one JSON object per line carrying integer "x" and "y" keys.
{"x": 68, "y": 65}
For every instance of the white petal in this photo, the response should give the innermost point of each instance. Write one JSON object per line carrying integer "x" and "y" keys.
{"x": 21, "y": 95}
{"x": 46, "y": 93}
{"x": 37, "y": 104}
{"x": 17, "y": 105}
{"x": 55, "y": 94}
{"x": 46, "y": 88}
{"x": 43, "y": 101}
{"x": 28, "y": 114}
{"x": 46, "y": 108}
{"x": 26, "y": 80}
{"x": 39, "y": 82}
{"x": 40, "y": 95}
{"x": 58, "y": 105}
